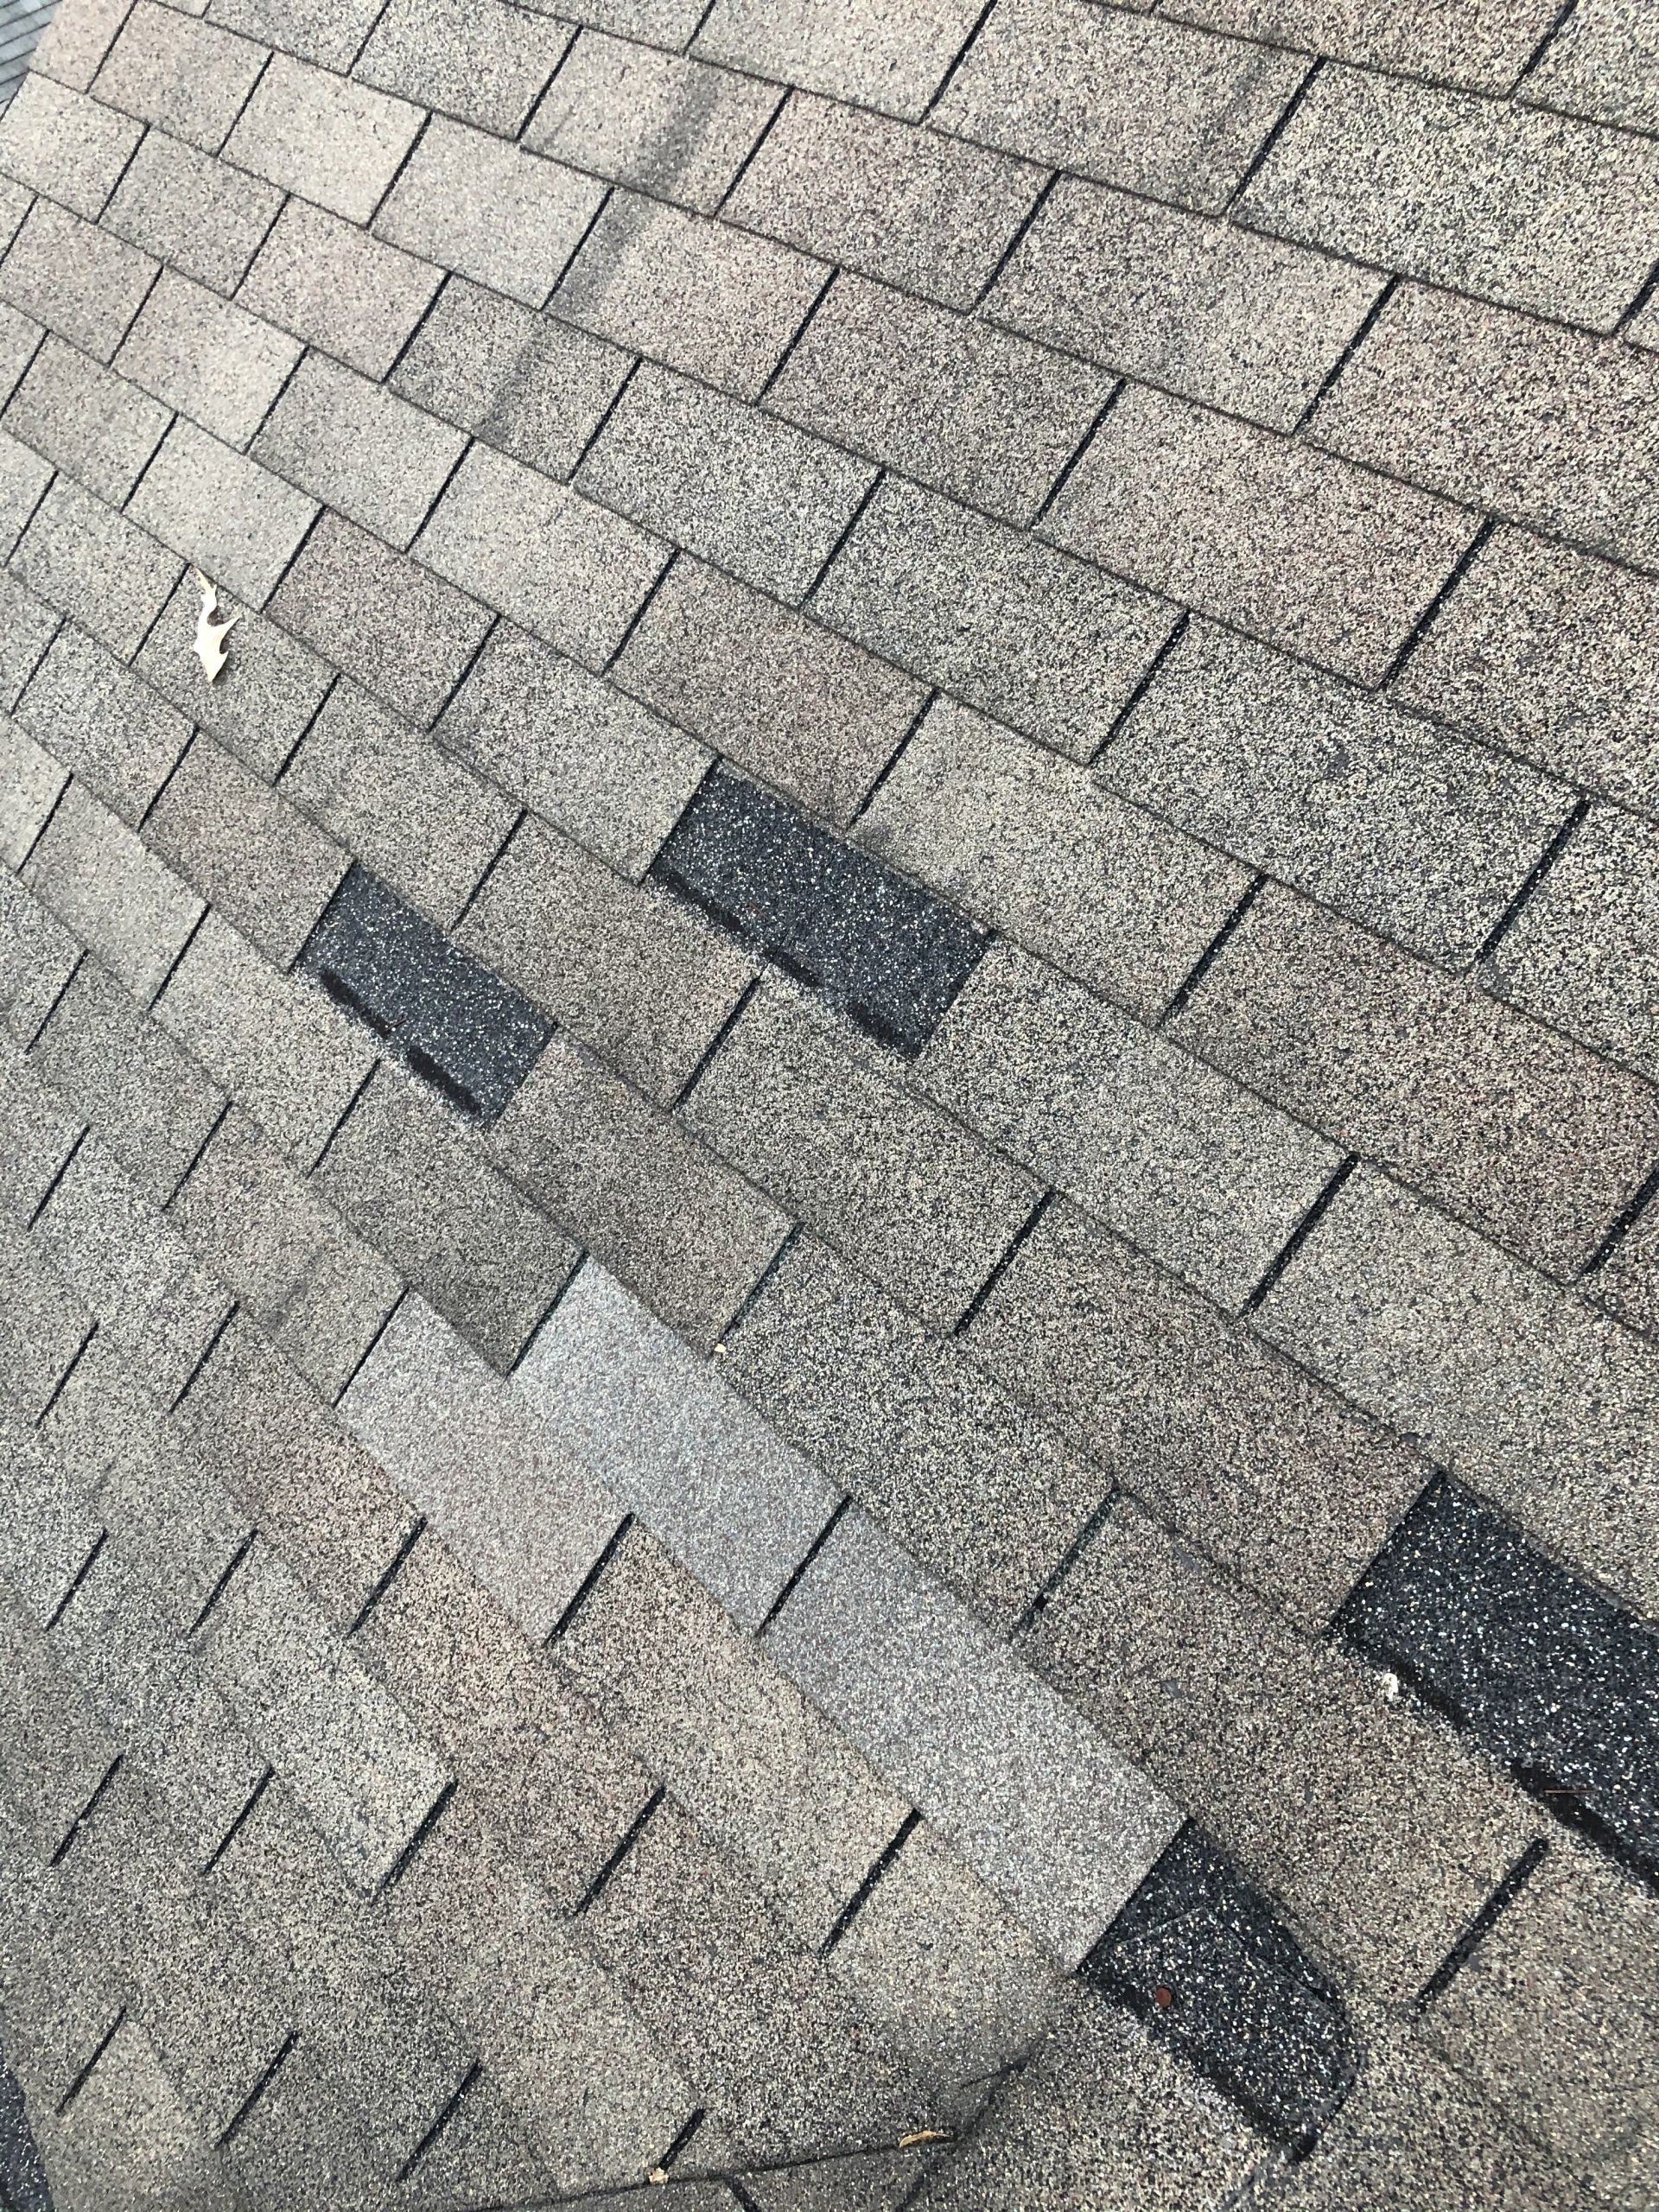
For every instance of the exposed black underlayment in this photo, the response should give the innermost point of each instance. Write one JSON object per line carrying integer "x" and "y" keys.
{"x": 457, "y": 1025}
{"x": 880, "y": 949}
{"x": 1198, "y": 1954}
{"x": 23, "y": 2186}
{"x": 1547, "y": 1674}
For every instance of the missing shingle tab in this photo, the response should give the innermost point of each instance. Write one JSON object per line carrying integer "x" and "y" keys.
{"x": 1199, "y": 1955}
{"x": 882, "y": 949}
{"x": 1550, "y": 1677}
{"x": 457, "y": 1025}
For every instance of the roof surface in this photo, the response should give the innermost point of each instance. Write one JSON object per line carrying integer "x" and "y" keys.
{"x": 828, "y": 1257}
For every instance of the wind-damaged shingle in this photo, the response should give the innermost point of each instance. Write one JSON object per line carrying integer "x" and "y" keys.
{"x": 461, "y": 1025}
{"x": 891, "y": 954}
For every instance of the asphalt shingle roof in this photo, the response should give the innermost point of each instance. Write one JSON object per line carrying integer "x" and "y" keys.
{"x": 830, "y": 1236}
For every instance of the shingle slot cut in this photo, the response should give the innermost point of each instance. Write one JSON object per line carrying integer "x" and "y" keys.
{"x": 887, "y": 952}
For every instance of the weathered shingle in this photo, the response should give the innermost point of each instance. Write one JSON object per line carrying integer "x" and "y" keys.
{"x": 37, "y": 958}
{"x": 199, "y": 215}
{"x": 96, "y": 715}
{"x": 474, "y": 58}
{"x": 91, "y": 562}
{"x": 207, "y": 358}
{"x": 371, "y": 455}
{"x": 1600, "y": 62}
{"x": 261, "y": 702}
{"x": 491, "y": 211}
{"x": 236, "y": 521}
{"x": 331, "y": 284}
{"x": 63, "y": 144}
{"x": 117, "y": 897}
{"x": 88, "y": 422}
{"x": 188, "y": 77}
{"x": 314, "y": 134}
{"x": 30, "y": 781}
{"x": 1465, "y": 42}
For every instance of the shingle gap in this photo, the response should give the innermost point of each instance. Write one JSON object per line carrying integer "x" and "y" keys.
{"x": 86, "y": 2072}
{"x": 1304, "y": 1229}
{"x": 1534, "y": 876}
{"x": 602, "y": 1879}
{"x": 446, "y": 2112}
{"x": 243, "y": 2112}
{"x": 1476, "y": 1933}
{"x": 865, "y": 1889}
{"x": 77, "y": 1579}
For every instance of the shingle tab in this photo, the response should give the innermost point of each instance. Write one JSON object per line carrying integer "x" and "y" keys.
{"x": 1461, "y": 41}
{"x": 971, "y": 410}
{"x": 753, "y": 494}
{"x": 80, "y": 282}
{"x": 316, "y": 135}
{"x": 28, "y": 626}
{"x": 450, "y": 1015}
{"x": 879, "y": 1174}
{"x": 328, "y": 282}
{"x": 406, "y": 1175}
{"x": 1043, "y": 851}
{"x": 90, "y": 423}
{"x": 328, "y": 31}
{"x": 95, "y": 714}
{"x": 1499, "y": 411}
{"x": 720, "y": 303}
{"x": 1529, "y": 209}
{"x": 63, "y": 145}
{"x": 76, "y": 39}
{"x": 371, "y": 455}
{"x": 84, "y": 557}
{"x": 871, "y": 943}
{"x": 474, "y": 59}
{"x": 38, "y": 1133}
{"x": 673, "y": 127}
{"x": 99, "y": 878}
{"x": 1600, "y": 62}
{"x": 24, "y": 477}
{"x": 199, "y": 215}
{"x": 263, "y": 698}
{"x": 43, "y": 1324}
{"x": 862, "y": 52}
{"x": 492, "y": 211}
{"x": 30, "y": 780}
{"x": 239, "y": 523}
{"x": 1200, "y": 306}
{"x": 190, "y": 78}
{"x": 37, "y": 958}
{"x": 210, "y": 359}
{"x": 658, "y": 1426}
{"x": 1428, "y": 844}
{"x": 667, "y": 1218}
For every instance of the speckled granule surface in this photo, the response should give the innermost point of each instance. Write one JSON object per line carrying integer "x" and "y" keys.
{"x": 830, "y": 1236}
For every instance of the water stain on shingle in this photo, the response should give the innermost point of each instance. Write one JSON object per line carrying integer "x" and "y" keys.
{"x": 885, "y": 951}
{"x": 1199, "y": 1955}
{"x": 1548, "y": 1675}
{"x": 458, "y": 1025}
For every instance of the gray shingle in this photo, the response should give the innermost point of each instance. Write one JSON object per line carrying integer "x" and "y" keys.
{"x": 568, "y": 570}
{"x": 1601, "y": 62}
{"x": 1043, "y": 641}
{"x": 1197, "y": 1173}
{"x": 1494, "y": 1117}
{"x": 747, "y": 491}
{"x": 201, "y": 216}
{"x": 331, "y": 284}
{"x": 575, "y": 751}
{"x": 1628, "y": 1280}
{"x": 239, "y": 523}
{"x": 472, "y": 58}
{"x": 77, "y": 38}
{"x": 1046, "y": 1811}
{"x": 1547, "y": 652}
{"x": 252, "y": 854}
{"x": 416, "y": 817}
{"x": 1382, "y": 1832}
{"x": 404, "y": 1171}
{"x": 1155, "y": 106}
{"x": 696, "y": 1701}
{"x": 91, "y": 562}
{"x": 336, "y": 143}
{"x": 644, "y": 981}
{"x": 210, "y": 359}
{"x": 1401, "y": 826}
{"x": 720, "y": 303}
{"x": 659, "y": 22}
{"x": 86, "y": 420}
{"x": 117, "y": 898}
{"x": 28, "y": 626}
{"x": 188, "y": 77}
{"x": 24, "y": 476}
{"x": 149, "y": 1102}
{"x": 352, "y": 444}
{"x": 95, "y": 714}
{"x": 80, "y": 282}
{"x": 133, "y": 1271}
{"x": 969, "y": 409}
{"x": 316, "y": 1495}
{"x": 734, "y": 1504}
{"x": 520, "y": 1514}
{"x": 874, "y": 1169}
{"x": 862, "y": 52}
{"x": 38, "y": 1132}
{"x": 43, "y": 1324}
{"x": 928, "y": 213}
{"x": 63, "y": 145}
{"x": 1515, "y": 1385}
{"x": 674, "y": 127}
{"x": 1584, "y": 950}
{"x": 287, "y": 1056}
{"x": 1041, "y": 849}
{"x": 30, "y": 780}
{"x": 37, "y": 958}
{"x": 782, "y": 697}
{"x": 491, "y": 211}
{"x": 264, "y": 697}
{"x": 1206, "y": 310}
{"x": 1279, "y": 1480}
{"x": 984, "y": 1494}
{"x": 1505, "y": 412}
{"x": 286, "y": 1257}
{"x": 668, "y": 1219}
{"x": 1258, "y": 531}
{"x": 1467, "y": 42}
{"x": 328, "y": 31}
{"x": 535, "y": 388}
{"x": 403, "y": 635}
{"x": 1531, "y": 210}
{"x": 19, "y": 337}
{"x": 57, "y": 1751}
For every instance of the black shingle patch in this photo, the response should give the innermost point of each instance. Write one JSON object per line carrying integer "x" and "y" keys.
{"x": 23, "y": 2177}
{"x": 889, "y": 953}
{"x": 1199, "y": 1955}
{"x": 1547, "y": 1674}
{"x": 457, "y": 1025}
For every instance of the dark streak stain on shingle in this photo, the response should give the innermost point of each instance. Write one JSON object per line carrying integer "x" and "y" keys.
{"x": 889, "y": 953}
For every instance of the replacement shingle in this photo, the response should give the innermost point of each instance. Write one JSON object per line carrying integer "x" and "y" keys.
{"x": 894, "y": 957}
